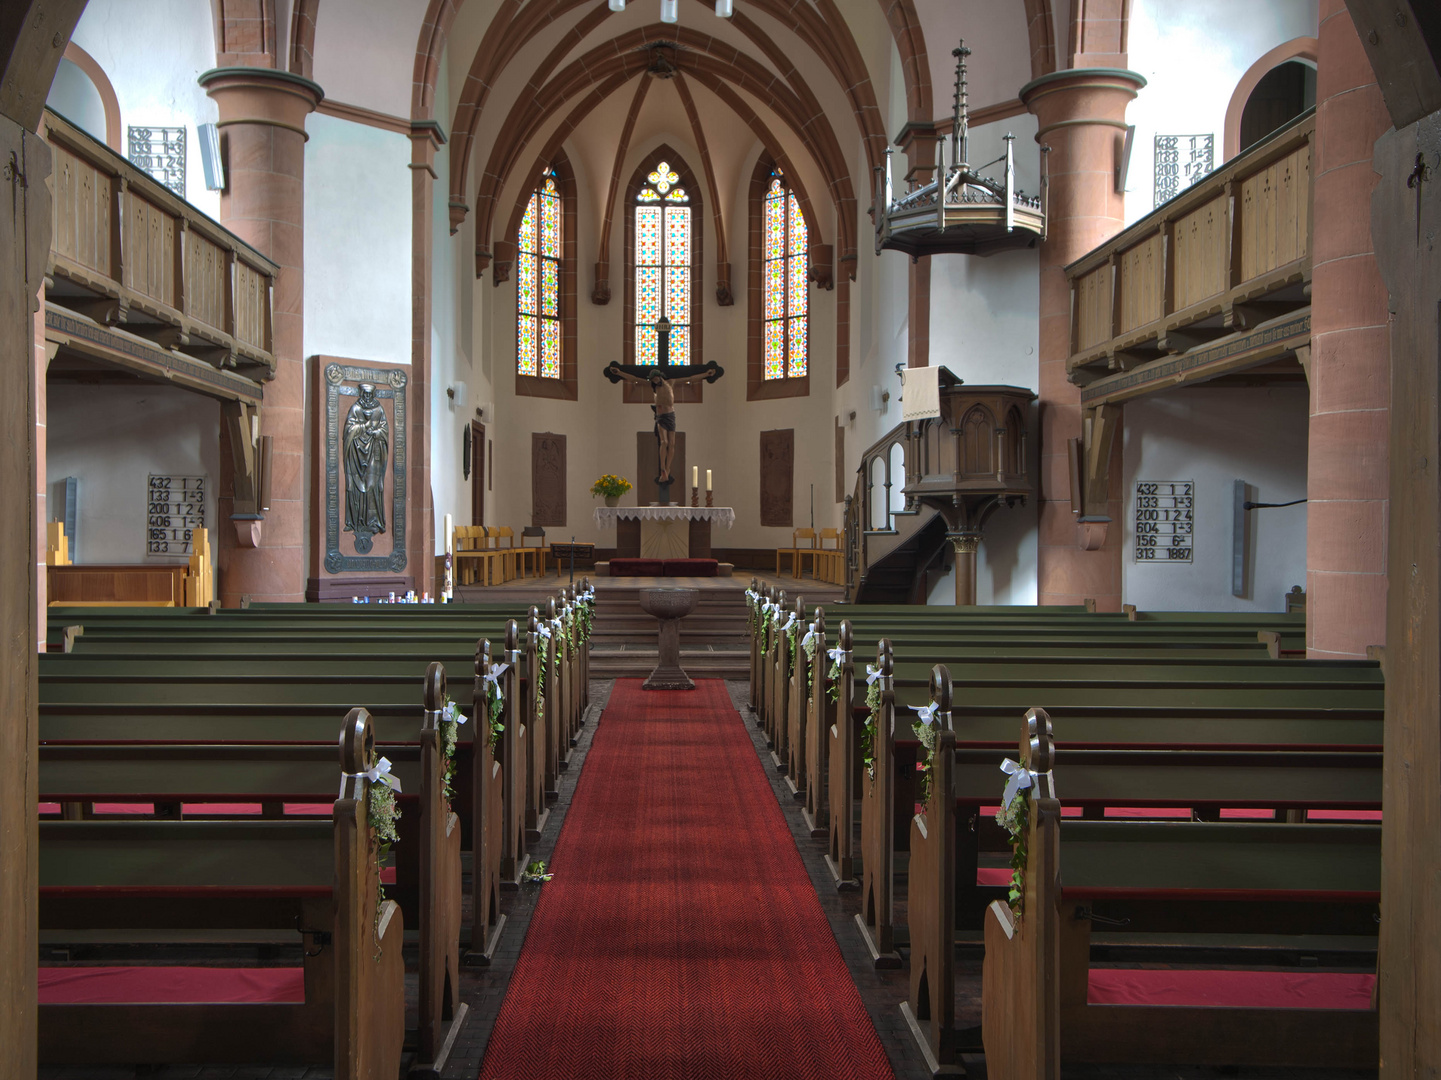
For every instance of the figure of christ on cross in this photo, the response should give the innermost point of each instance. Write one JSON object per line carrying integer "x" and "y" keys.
{"x": 664, "y": 411}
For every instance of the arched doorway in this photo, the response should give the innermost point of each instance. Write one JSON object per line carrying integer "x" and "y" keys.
{"x": 1284, "y": 93}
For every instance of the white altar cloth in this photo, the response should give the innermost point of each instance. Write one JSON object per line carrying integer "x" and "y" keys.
{"x": 606, "y": 516}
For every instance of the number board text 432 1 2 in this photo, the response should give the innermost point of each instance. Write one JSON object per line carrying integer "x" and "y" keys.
{"x": 1165, "y": 520}
{"x": 175, "y": 505}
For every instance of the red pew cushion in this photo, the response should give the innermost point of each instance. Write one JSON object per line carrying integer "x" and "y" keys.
{"x": 169, "y": 985}
{"x": 1231, "y": 989}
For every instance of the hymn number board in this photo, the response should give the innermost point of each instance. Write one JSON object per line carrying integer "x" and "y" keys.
{"x": 1165, "y": 520}
{"x": 174, "y": 506}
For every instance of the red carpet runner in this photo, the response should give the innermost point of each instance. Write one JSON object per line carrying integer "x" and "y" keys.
{"x": 680, "y": 936}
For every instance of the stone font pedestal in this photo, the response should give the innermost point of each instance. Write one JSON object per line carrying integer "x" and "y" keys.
{"x": 669, "y": 606}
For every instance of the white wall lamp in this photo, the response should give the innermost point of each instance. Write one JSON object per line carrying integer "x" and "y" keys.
{"x": 670, "y": 11}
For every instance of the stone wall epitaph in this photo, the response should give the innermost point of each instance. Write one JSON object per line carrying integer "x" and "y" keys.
{"x": 547, "y": 478}
{"x": 345, "y": 550}
{"x": 778, "y": 455}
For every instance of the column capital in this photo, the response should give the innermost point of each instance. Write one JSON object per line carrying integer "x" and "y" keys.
{"x": 1079, "y": 96}
{"x": 267, "y": 96}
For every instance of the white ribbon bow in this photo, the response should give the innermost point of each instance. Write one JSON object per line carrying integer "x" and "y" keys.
{"x": 789, "y": 623}
{"x": 453, "y": 713}
{"x": 378, "y": 775}
{"x": 810, "y": 636}
{"x": 925, "y": 713}
{"x": 1020, "y": 779}
{"x": 493, "y": 677}
{"x": 543, "y": 629}
{"x": 872, "y": 674}
{"x": 837, "y": 654}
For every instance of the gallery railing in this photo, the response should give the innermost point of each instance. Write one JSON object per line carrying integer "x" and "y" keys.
{"x": 128, "y": 253}
{"x": 1230, "y": 254}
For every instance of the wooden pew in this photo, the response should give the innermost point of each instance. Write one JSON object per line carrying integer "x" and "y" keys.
{"x": 169, "y": 702}
{"x": 1253, "y": 705}
{"x": 321, "y": 879}
{"x": 1293, "y": 879}
{"x": 428, "y": 862}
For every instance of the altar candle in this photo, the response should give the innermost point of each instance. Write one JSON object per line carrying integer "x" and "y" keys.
{"x": 707, "y": 480}
{"x": 695, "y": 476}
{"x": 449, "y": 537}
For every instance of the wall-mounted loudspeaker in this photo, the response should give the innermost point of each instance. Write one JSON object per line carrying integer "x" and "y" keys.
{"x": 210, "y": 157}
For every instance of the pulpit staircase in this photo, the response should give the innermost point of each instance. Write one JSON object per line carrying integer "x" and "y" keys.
{"x": 928, "y": 484}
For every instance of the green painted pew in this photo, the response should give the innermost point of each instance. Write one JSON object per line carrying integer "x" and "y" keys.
{"x": 315, "y": 881}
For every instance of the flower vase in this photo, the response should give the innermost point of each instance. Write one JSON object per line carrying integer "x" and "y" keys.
{"x": 612, "y": 500}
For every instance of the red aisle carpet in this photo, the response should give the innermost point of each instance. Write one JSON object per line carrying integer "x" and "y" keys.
{"x": 680, "y": 936}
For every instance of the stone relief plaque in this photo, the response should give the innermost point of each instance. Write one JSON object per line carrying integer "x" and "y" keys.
{"x": 547, "y": 478}
{"x": 778, "y": 456}
{"x": 365, "y": 463}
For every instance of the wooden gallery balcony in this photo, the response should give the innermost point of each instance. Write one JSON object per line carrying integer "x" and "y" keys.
{"x": 1215, "y": 281}
{"x": 141, "y": 280}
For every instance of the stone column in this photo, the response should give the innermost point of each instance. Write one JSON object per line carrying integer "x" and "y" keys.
{"x": 425, "y": 139}
{"x": 1082, "y": 117}
{"x": 262, "y": 125}
{"x": 1347, "y": 460}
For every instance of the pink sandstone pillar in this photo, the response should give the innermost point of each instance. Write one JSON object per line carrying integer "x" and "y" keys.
{"x": 262, "y": 119}
{"x": 1347, "y": 463}
{"x": 1082, "y": 117}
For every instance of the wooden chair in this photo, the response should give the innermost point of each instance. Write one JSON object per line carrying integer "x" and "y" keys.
{"x": 507, "y": 551}
{"x": 829, "y": 560}
{"x": 796, "y": 552}
{"x": 470, "y": 541}
{"x": 534, "y": 556}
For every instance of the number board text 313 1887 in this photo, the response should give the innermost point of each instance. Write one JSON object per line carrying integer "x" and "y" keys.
{"x": 175, "y": 505}
{"x": 1165, "y": 520}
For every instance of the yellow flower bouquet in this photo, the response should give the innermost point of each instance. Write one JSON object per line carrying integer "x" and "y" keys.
{"x": 611, "y": 486}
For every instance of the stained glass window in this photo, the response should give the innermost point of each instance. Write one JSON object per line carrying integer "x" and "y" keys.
{"x": 783, "y": 281}
{"x": 662, "y": 265}
{"x": 537, "y": 337}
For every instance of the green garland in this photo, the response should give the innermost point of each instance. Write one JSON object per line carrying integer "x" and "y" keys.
{"x": 449, "y": 734}
{"x": 868, "y": 729}
{"x": 541, "y": 654}
{"x": 382, "y": 813}
{"x": 833, "y": 681}
{"x": 1016, "y": 820}
{"x": 926, "y": 736}
{"x": 495, "y": 710}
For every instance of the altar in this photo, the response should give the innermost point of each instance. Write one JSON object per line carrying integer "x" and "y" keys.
{"x": 663, "y": 532}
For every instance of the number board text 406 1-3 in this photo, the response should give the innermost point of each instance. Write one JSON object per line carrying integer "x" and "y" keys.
{"x": 175, "y": 505}
{"x": 1165, "y": 520}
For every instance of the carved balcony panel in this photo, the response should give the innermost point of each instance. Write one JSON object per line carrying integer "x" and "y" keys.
{"x": 1217, "y": 280}
{"x": 137, "y": 262}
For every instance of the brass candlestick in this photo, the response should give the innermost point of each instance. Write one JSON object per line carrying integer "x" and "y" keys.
{"x": 694, "y": 496}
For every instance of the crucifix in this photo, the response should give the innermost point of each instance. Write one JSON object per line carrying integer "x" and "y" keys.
{"x": 662, "y": 377}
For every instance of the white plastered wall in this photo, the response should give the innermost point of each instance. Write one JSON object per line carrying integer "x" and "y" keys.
{"x": 1192, "y": 55}
{"x": 1215, "y": 436}
{"x": 124, "y": 38}
{"x": 111, "y": 438}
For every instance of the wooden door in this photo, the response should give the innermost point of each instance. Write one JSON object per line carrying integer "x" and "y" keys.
{"x": 477, "y": 473}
